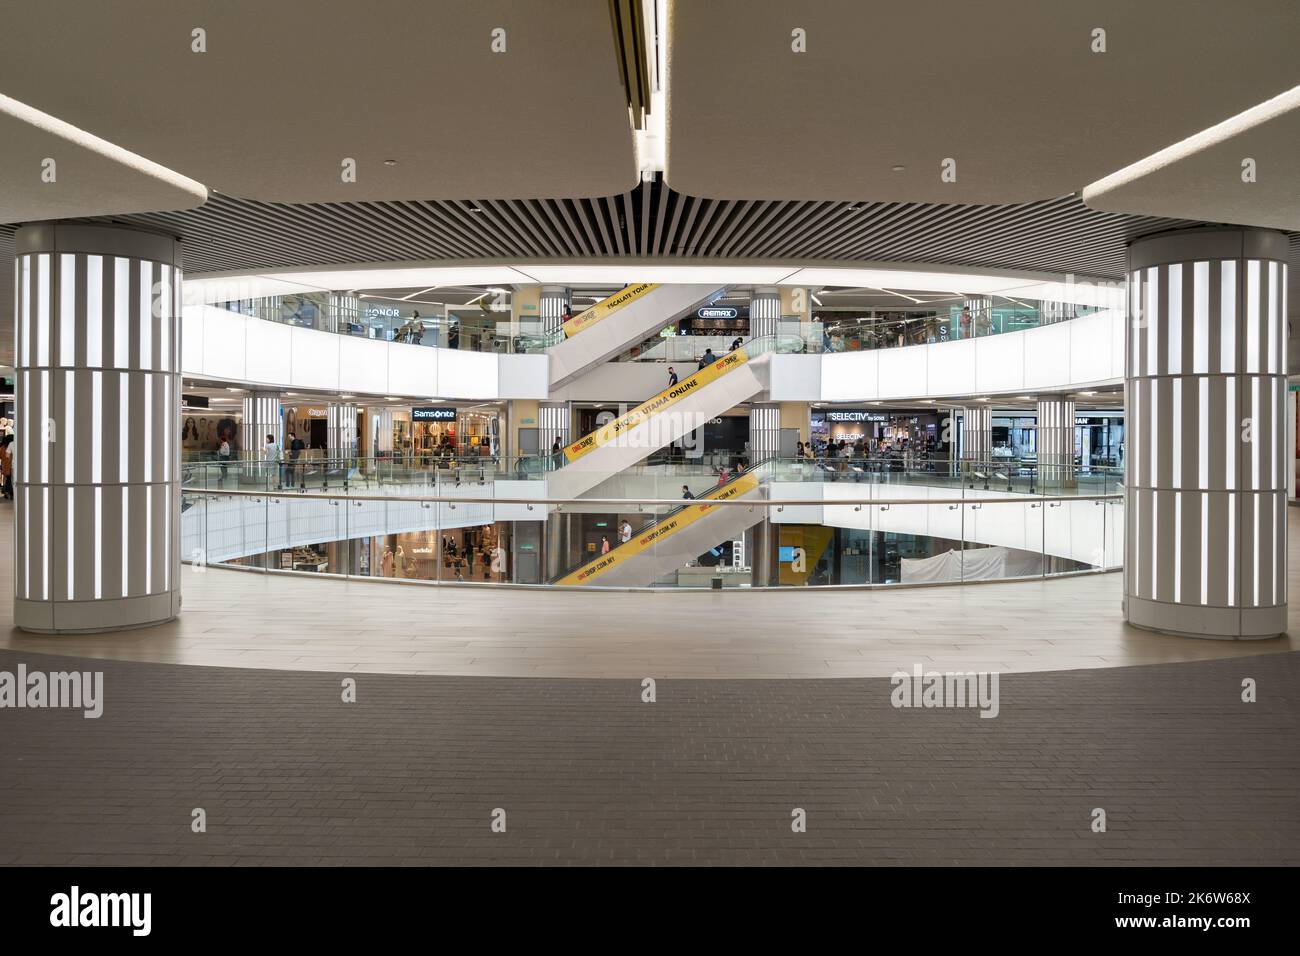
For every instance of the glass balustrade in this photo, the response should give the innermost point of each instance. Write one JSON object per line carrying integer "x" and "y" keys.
{"x": 782, "y": 523}
{"x": 492, "y": 329}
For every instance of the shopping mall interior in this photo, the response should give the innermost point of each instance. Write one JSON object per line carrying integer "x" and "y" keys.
{"x": 622, "y": 394}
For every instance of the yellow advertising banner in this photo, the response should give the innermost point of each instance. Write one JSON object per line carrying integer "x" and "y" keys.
{"x": 647, "y": 539}
{"x": 670, "y": 396}
{"x": 606, "y": 307}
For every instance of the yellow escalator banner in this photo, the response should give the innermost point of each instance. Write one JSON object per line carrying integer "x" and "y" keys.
{"x": 607, "y": 307}
{"x": 647, "y": 539}
{"x": 670, "y": 396}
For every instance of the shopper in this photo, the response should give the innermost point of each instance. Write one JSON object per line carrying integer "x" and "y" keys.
{"x": 672, "y": 377}
{"x": 417, "y": 329}
{"x": 686, "y": 493}
{"x": 295, "y": 469}
{"x": 736, "y": 344}
{"x": 604, "y": 544}
{"x": 708, "y": 358}
{"x": 7, "y": 466}
{"x": 723, "y": 477}
{"x": 271, "y": 460}
{"x": 625, "y": 532}
{"x": 223, "y": 456}
{"x": 965, "y": 323}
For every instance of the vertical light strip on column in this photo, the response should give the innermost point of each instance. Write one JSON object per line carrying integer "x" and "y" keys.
{"x": 94, "y": 311}
{"x": 1228, "y": 316}
{"x": 121, "y": 312}
{"x": 67, "y": 309}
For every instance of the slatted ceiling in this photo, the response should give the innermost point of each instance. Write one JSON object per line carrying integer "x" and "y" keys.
{"x": 1058, "y": 235}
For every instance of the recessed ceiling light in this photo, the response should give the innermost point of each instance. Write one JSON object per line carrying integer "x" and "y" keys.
{"x": 475, "y": 208}
{"x": 234, "y": 390}
{"x": 390, "y": 162}
{"x": 1087, "y": 393}
{"x": 899, "y": 168}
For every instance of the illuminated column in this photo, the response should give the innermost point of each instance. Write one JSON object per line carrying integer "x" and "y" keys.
{"x": 97, "y": 460}
{"x": 341, "y": 431}
{"x": 764, "y": 311}
{"x": 977, "y": 433}
{"x": 1054, "y": 442}
{"x": 382, "y": 422}
{"x": 551, "y": 306}
{"x": 1205, "y": 544}
{"x": 553, "y": 421}
{"x": 764, "y": 432}
{"x": 261, "y": 418}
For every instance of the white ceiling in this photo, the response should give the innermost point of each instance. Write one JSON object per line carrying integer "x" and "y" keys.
{"x": 288, "y": 89}
{"x": 1010, "y": 89}
{"x": 53, "y": 170}
{"x": 1203, "y": 177}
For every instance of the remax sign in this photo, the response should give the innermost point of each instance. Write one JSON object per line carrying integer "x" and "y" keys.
{"x": 717, "y": 312}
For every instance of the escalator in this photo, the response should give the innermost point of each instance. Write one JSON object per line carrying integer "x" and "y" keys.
{"x": 625, "y": 318}
{"x": 676, "y": 537}
{"x": 676, "y": 411}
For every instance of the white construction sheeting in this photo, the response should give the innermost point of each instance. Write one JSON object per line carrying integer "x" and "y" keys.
{"x": 973, "y": 564}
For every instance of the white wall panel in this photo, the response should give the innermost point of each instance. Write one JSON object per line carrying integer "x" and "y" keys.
{"x": 268, "y": 351}
{"x": 904, "y": 370}
{"x": 466, "y": 374}
{"x": 797, "y": 377}
{"x": 951, "y": 368}
{"x": 1000, "y": 362}
{"x": 315, "y": 358}
{"x": 223, "y": 345}
{"x": 522, "y": 376}
{"x": 363, "y": 365}
{"x": 412, "y": 371}
{"x": 1047, "y": 356}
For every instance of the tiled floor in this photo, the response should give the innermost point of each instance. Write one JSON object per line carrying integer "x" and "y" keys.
{"x": 709, "y": 773}
{"x": 296, "y": 623}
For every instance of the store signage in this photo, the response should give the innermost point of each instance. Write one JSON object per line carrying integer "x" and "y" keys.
{"x": 718, "y": 312}
{"x": 433, "y": 414}
{"x": 315, "y": 413}
{"x": 855, "y": 415}
{"x": 1080, "y": 421}
{"x": 194, "y": 401}
{"x": 379, "y": 312}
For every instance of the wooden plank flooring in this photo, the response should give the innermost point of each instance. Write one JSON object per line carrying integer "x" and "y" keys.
{"x": 241, "y": 619}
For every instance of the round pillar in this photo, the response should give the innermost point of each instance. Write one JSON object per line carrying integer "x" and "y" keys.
{"x": 764, "y": 311}
{"x": 1054, "y": 442}
{"x": 1205, "y": 378}
{"x": 97, "y": 450}
{"x": 976, "y": 433}
{"x": 261, "y": 418}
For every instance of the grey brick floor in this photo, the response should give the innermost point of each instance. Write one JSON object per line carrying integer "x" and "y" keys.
{"x": 709, "y": 774}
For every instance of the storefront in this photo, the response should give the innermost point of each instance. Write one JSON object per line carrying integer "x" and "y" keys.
{"x": 881, "y": 431}
{"x": 426, "y": 432}
{"x": 310, "y": 423}
{"x": 204, "y": 428}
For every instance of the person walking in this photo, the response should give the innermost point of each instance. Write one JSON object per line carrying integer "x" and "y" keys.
{"x": 271, "y": 460}
{"x": 708, "y": 358}
{"x": 7, "y": 467}
{"x": 296, "y": 447}
{"x": 556, "y": 453}
{"x": 223, "y": 456}
{"x": 672, "y": 376}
